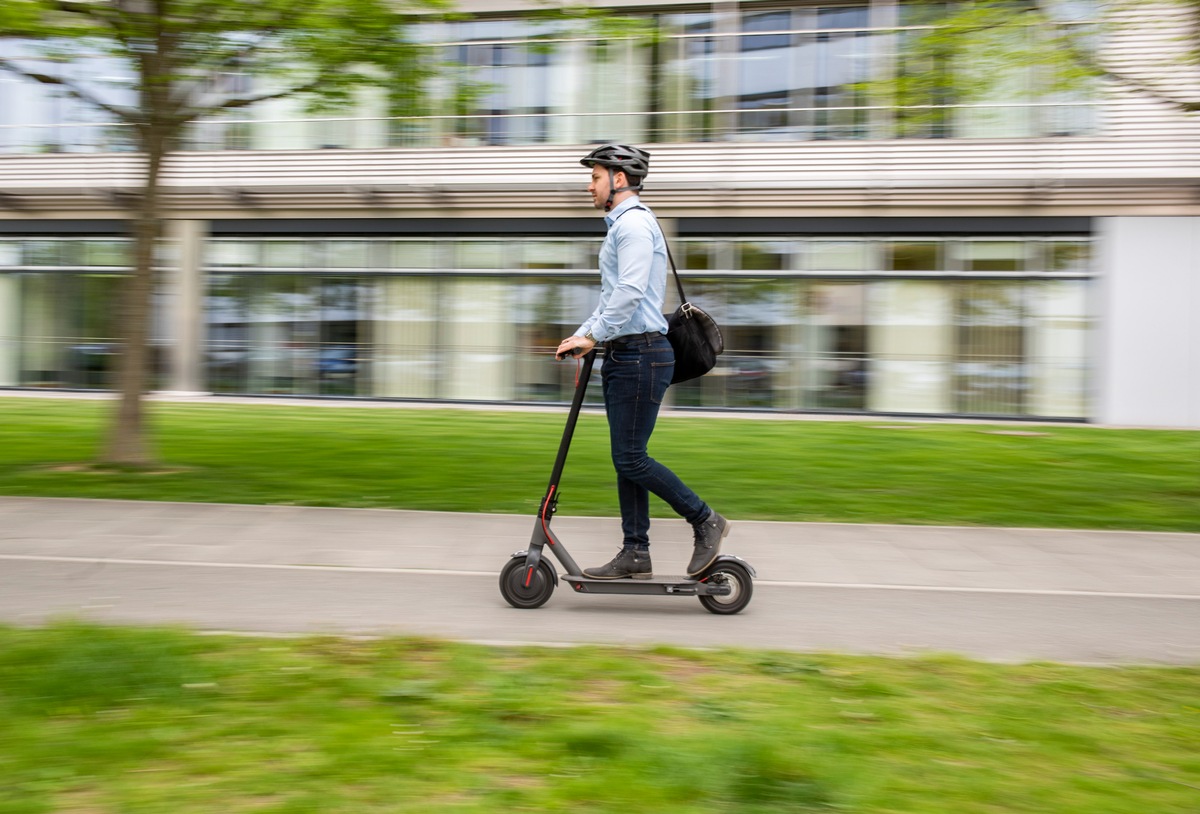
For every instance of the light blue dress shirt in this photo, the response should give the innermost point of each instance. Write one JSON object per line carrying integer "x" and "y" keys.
{"x": 633, "y": 275}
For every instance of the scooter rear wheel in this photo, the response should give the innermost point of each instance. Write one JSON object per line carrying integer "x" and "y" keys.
{"x": 741, "y": 586}
{"x": 517, "y": 593}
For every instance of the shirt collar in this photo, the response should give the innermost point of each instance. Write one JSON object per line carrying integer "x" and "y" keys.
{"x": 620, "y": 209}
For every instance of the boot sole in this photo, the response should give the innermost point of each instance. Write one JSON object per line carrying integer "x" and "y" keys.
{"x": 621, "y": 576}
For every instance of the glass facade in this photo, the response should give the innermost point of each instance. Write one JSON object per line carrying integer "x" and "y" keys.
{"x": 767, "y": 71}
{"x": 932, "y": 326}
{"x": 936, "y": 326}
{"x": 59, "y": 313}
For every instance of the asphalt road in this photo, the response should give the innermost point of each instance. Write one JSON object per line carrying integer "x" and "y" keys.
{"x": 996, "y": 594}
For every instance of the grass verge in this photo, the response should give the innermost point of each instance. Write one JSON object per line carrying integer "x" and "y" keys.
{"x": 138, "y": 721}
{"x": 456, "y": 460}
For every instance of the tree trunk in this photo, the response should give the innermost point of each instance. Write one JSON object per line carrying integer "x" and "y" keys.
{"x": 128, "y": 443}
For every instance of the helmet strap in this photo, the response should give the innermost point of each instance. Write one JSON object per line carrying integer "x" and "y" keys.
{"x": 613, "y": 189}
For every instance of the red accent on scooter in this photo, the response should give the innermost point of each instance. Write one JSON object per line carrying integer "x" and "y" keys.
{"x": 545, "y": 506}
{"x": 529, "y": 596}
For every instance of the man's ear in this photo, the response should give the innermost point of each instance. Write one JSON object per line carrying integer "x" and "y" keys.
{"x": 620, "y": 179}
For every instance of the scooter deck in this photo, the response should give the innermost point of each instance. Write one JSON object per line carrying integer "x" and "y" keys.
{"x": 658, "y": 584}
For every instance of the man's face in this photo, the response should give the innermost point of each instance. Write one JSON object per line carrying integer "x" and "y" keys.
{"x": 601, "y": 186}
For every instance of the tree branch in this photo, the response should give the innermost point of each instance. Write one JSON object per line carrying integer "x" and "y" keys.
{"x": 1146, "y": 89}
{"x": 208, "y": 68}
{"x": 185, "y": 116}
{"x": 1088, "y": 61}
{"x": 1081, "y": 56}
{"x": 224, "y": 57}
{"x": 100, "y": 14}
{"x": 125, "y": 114}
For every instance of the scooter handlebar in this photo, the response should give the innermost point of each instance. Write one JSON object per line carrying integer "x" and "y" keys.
{"x": 574, "y": 353}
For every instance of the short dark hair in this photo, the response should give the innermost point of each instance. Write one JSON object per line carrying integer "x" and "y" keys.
{"x": 633, "y": 180}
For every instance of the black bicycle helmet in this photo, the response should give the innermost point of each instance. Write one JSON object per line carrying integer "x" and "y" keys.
{"x": 619, "y": 157}
{"x": 633, "y": 162}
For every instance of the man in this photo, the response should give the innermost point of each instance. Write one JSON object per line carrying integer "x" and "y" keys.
{"x": 638, "y": 364}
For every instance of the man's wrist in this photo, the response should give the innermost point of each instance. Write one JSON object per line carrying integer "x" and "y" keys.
{"x": 589, "y": 337}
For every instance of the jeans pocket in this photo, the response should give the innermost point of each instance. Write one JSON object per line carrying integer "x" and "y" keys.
{"x": 660, "y": 379}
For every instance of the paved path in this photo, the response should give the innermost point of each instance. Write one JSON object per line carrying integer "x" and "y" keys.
{"x": 1000, "y": 594}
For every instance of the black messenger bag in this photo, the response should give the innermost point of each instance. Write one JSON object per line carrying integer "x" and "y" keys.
{"x": 693, "y": 334}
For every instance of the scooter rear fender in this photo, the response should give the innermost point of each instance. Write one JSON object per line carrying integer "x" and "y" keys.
{"x": 731, "y": 558}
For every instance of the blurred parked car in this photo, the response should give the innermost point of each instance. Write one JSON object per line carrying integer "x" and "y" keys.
{"x": 337, "y": 360}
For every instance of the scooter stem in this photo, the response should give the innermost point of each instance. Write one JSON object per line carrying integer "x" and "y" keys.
{"x": 585, "y": 374}
{"x": 542, "y": 534}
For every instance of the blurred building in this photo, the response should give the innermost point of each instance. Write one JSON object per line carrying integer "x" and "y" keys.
{"x": 1035, "y": 255}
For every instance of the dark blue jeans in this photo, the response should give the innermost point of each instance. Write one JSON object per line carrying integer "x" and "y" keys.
{"x": 635, "y": 376}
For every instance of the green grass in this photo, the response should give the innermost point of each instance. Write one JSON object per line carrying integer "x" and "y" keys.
{"x": 137, "y": 721}
{"x": 458, "y": 460}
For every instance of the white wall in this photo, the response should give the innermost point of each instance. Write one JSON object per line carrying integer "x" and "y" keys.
{"x": 1148, "y": 354}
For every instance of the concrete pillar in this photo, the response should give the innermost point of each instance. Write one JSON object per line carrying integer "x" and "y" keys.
{"x": 10, "y": 330}
{"x": 185, "y": 285}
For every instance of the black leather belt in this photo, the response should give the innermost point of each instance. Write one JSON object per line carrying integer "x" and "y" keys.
{"x": 633, "y": 339}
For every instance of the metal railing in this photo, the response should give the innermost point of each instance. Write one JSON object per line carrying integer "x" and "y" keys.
{"x": 1016, "y": 120}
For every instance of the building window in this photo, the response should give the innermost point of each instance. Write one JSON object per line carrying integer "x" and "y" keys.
{"x": 59, "y": 313}
{"x": 929, "y": 326}
{"x": 796, "y": 73}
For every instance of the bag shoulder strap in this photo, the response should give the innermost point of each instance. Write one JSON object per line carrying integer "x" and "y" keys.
{"x": 678, "y": 284}
{"x": 682, "y": 297}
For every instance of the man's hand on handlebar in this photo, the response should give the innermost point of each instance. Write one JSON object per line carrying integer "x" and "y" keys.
{"x": 573, "y": 346}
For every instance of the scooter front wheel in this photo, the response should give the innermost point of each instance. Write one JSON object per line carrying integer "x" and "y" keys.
{"x": 741, "y": 588}
{"x": 522, "y": 589}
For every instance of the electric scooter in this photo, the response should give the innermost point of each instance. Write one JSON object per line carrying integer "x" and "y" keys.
{"x": 528, "y": 579}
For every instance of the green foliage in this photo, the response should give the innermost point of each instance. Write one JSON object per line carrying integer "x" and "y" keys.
{"x": 995, "y": 50}
{"x": 839, "y": 471}
{"x": 594, "y": 23}
{"x": 962, "y": 54}
{"x": 180, "y": 54}
{"x": 322, "y": 49}
{"x": 406, "y": 725}
{"x": 76, "y": 668}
